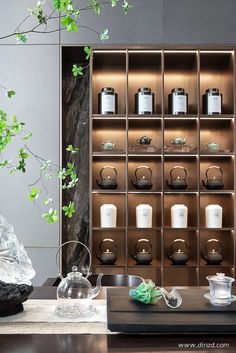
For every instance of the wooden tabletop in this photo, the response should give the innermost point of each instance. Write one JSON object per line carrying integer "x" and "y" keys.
{"x": 114, "y": 343}
{"x": 119, "y": 343}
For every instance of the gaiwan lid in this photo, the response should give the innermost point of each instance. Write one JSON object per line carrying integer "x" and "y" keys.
{"x": 220, "y": 278}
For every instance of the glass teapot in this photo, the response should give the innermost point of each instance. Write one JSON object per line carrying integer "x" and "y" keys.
{"x": 75, "y": 293}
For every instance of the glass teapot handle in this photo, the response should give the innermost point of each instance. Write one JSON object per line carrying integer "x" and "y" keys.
{"x": 213, "y": 241}
{"x": 178, "y": 167}
{"x": 108, "y": 167}
{"x": 107, "y": 240}
{"x": 143, "y": 167}
{"x": 214, "y": 167}
{"x": 78, "y": 242}
{"x": 143, "y": 240}
{"x": 178, "y": 241}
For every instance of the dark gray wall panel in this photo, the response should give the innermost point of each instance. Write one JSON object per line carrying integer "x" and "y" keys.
{"x": 142, "y": 25}
{"x": 199, "y": 22}
{"x": 12, "y": 12}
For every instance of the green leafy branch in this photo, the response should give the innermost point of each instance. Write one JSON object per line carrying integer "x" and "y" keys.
{"x": 9, "y": 131}
{"x": 67, "y": 15}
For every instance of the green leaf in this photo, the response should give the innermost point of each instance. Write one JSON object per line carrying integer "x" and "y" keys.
{"x": 61, "y": 174}
{"x": 67, "y": 20}
{"x": 27, "y": 136}
{"x": 47, "y": 200}
{"x": 88, "y": 52}
{"x": 95, "y": 6}
{"x": 4, "y": 163}
{"x": 10, "y": 93}
{"x": 77, "y": 70}
{"x": 51, "y": 216}
{"x": 23, "y": 154}
{"x": 104, "y": 35}
{"x": 46, "y": 164}
{"x": 114, "y": 2}
{"x": 126, "y": 6}
{"x": 72, "y": 27}
{"x": 72, "y": 149}
{"x": 69, "y": 210}
{"x": 21, "y": 38}
{"x": 33, "y": 194}
{"x": 70, "y": 23}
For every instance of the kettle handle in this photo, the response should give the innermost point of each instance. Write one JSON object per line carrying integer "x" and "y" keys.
{"x": 178, "y": 241}
{"x": 215, "y": 241}
{"x": 214, "y": 167}
{"x": 78, "y": 242}
{"x": 143, "y": 240}
{"x": 178, "y": 167}
{"x": 143, "y": 167}
{"x": 108, "y": 167}
{"x": 107, "y": 240}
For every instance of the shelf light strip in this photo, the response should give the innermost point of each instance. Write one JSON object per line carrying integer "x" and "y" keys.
{"x": 216, "y": 51}
{"x": 144, "y": 51}
{"x": 180, "y": 51}
{"x": 108, "y": 51}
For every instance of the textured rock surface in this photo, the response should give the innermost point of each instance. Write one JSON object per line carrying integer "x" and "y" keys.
{"x": 76, "y": 132}
{"x": 15, "y": 265}
{"x": 12, "y": 296}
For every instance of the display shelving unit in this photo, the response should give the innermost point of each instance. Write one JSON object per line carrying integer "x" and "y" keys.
{"x": 195, "y": 70}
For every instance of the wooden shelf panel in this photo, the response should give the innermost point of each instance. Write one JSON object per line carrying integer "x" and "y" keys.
{"x": 195, "y": 71}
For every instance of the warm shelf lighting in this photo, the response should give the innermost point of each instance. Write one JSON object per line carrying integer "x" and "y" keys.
{"x": 180, "y": 51}
{"x": 108, "y": 51}
{"x": 144, "y": 51}
{"x": 216, "y": 51}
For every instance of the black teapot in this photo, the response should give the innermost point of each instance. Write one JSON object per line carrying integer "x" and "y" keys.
{"x": 142, "y": 182}
{"x": 216, "y": 182}
{"x": 178, "y": 254}
{"x": 178, "y": 182}
{"x": 143, "y": 256}
{"x": 144, "y": 140}
{"x": 108, "y": 182}
{"x": 107, "y": 256}
{"x": 213, "y": 252}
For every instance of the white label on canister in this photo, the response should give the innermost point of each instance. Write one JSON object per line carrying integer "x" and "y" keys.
{"x": 179, "y": 104}
{"x": 214, "y": 104}
{"x": 108, "y": 103}
{"x": 144, "y": 103}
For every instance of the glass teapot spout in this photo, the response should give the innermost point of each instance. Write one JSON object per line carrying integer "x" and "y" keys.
{"x": 97, "y": 289}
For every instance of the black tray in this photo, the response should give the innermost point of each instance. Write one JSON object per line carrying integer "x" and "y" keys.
{"x": 196, "y": 314}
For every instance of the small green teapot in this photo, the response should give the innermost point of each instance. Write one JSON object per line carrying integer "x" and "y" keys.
{"x": 180, "y": 141}
{"x": 212, "y": 146}
{"x": 108, "y": 146}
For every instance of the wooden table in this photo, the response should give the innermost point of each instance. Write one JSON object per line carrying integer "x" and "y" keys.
{"x": 119, "y": 343}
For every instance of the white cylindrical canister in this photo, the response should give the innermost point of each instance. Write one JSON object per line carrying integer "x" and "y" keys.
{"x": 144, "y": 216}
{"x": 214, "y": 214}
{"x": 179, "y": 216}
{"x": 108, "y": 216}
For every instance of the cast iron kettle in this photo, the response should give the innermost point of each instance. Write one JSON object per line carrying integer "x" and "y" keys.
{"x": 215, "y": 183}
{"x": 108, "y": 182}
{"x": 178, "y": 182}
{"x": 142, "y": 182}
{"x": 143, "y": 256}
{"x": 178, "y": 252}
{"x": 144, "y": 140}
{"x": 213, "y": 254}
{"x": 107, "y": 256}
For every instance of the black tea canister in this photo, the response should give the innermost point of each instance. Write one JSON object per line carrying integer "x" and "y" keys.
{"x": 107, "y": 101}
{"x": 178, "y": 101}
{"x": 144, "y": 101}
{"x": 212, "y": 101}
